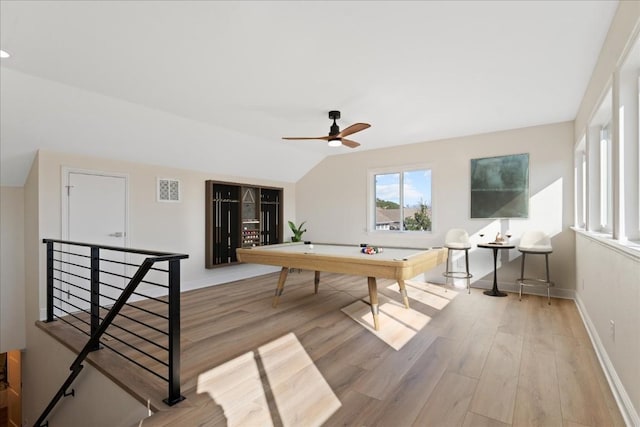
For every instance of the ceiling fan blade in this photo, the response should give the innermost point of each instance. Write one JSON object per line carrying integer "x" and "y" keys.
{"x": 356, "y": 127}
{"x": 349, "y": 143}
{"x": 324, "y": 138}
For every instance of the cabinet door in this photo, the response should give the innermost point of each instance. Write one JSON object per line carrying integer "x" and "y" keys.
{"x": 226, "y": 232}
{"x": 222, "y": 223}
{"x": 270, "y": 212}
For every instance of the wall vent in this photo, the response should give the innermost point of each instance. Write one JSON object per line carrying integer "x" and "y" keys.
{"x": 168, "y": 190}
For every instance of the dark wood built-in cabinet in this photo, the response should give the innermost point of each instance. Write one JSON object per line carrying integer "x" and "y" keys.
{"x": 240, "y": 215}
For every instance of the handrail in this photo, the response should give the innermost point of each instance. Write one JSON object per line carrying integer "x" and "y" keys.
{"x": 166, "y": 255}
{"x": 98, "y": 328}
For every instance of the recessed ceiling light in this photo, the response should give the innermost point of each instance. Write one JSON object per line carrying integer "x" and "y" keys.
{"x": 4, "y": 54}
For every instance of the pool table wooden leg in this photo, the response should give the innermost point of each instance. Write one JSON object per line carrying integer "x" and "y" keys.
{"x": 280, "y": 288}
{"x": 403, "y": 291}
{"x": 316, "y": 281}
{"x": 373, "y": 297}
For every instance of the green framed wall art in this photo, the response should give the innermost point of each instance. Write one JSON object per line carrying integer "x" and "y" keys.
{"x": 500, "y": 187}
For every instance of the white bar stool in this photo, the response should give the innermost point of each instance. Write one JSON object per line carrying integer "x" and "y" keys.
{"x": 457, "y": 239}
{"x": 535, "y": 243}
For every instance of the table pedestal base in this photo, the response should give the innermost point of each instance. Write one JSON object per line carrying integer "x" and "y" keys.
{"x": 495, "y": 293}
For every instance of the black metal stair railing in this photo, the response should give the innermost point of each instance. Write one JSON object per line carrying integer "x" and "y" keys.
{"x": 87, "y": 291}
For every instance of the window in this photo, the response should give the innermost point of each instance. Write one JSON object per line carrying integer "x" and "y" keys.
{"x": 636, "y": 207}
{"x": 607, "y": 160}
{"x": 606, "y": 178}
{"x": 583, "y": 192}
{"x": 580, "y": 189}
{"x": 599, "y": 179}
{"x": 402, "y": 200}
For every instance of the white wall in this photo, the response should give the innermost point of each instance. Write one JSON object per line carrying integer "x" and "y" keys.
{"x": 608, "y": 290}
{"x": 171, "y": 227}
{"x": 175, "y": 227}
{"x": 97, "y": 402}
{"x": 12, "y": 332}
{"x": 332, "y": 198}
{"x": 607, "y": 277}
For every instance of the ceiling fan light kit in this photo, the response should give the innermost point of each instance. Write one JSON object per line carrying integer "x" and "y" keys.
{"x": 335, "y": 137}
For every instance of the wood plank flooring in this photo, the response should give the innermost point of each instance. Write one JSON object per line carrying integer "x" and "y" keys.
{"x": 480, "y": 361}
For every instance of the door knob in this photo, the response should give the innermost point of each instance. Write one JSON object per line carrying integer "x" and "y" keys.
{"x": 117, "y": 234}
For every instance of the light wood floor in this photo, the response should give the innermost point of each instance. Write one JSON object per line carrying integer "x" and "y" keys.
{"x": 479, "y": 361}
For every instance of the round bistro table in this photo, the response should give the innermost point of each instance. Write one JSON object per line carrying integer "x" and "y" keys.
{"x": 494, "y": 292}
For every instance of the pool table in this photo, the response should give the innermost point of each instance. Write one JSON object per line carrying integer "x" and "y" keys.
{"x": 392, "y": 263}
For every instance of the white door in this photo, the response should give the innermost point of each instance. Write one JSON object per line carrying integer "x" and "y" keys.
{"x": 96, "y": 213}
{"x": 14, "y": 388}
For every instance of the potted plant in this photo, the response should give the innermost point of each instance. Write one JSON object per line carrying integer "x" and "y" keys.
{"x": 297, "y": 231}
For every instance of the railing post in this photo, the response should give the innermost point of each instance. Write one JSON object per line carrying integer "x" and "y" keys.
{"x": 95, "y": 293}
{"x": 98, "y": 327}
{"x": 174, "y": 334}
{"x": 94, "y": 341}
{"x": 49, "y": 281}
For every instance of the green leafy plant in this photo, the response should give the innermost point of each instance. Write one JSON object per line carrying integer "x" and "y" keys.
{"x": 297, "y": 231}
{"x": 421, "y": 219}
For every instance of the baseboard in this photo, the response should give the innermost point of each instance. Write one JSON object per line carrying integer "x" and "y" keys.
{"x": 513, "y": 287}
{"x": 625, "y": 405}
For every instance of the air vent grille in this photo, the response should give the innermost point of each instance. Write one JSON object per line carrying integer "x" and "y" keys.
{"x": 168, "y": 190}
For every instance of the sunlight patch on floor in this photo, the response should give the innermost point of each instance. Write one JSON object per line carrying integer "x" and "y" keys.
{"x": 301, "y": 394}
{"x": 237, "y": 388}
{"x": 397, "y": 323}
{"x": 434, "y": 296}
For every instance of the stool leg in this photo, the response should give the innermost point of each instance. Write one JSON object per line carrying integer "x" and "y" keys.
{"x": 466, "y": 263}
{"x": 546, "y": 259}
{"x": 521, "y": 275}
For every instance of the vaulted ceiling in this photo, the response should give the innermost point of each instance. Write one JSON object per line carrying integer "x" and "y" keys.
{"x": 213, "y": 86}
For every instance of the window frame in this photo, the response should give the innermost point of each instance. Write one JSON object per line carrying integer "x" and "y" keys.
{"x": 580, "y": 185}
{"x": 371, "y": 196}
{"x": 610, "y": 205}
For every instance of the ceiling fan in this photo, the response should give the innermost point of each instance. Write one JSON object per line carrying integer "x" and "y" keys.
{"x": 336, "y": 137}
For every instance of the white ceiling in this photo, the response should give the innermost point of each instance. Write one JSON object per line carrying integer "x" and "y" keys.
{"x": 213, "y": 86}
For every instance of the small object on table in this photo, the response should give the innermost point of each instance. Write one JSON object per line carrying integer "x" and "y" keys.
{"x": 371, "y": 250}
